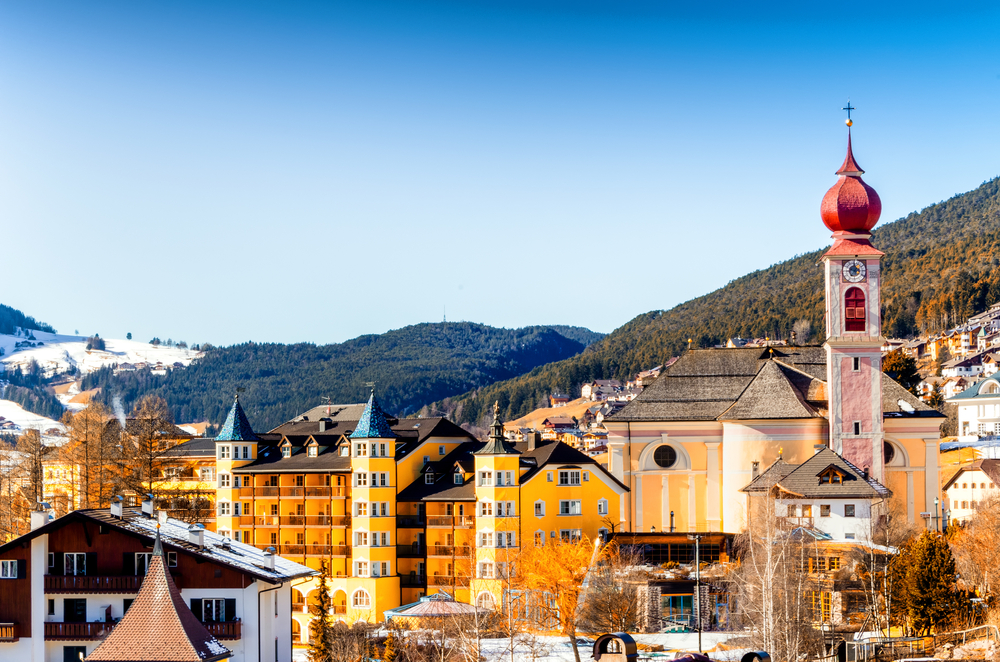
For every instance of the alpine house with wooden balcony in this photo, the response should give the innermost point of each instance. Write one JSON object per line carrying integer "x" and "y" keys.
{"x": 66, "y": 585}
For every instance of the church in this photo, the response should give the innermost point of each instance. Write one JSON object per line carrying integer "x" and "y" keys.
{"x": 717, "y": 418}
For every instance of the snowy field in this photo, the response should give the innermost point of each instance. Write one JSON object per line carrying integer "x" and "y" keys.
{"x": 558, "y": 649}
{"x": 25, "y": 420}
{"x": 58, "y": 353}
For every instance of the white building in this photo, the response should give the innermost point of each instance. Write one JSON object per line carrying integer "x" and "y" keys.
{"x": 978, "y": 409}
{"x": 65, "y": 585}
{"x": 969, "y": 487}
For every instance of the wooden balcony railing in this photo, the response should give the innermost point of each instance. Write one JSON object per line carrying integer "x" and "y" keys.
{"x": 92, "y": 583}
{"x": 410, "y": 521}
{"x": 328, "y": 520}
{"x": 9, "y": 632}
{"x": 225, "y": 629}
{"x": 447, "y": 580}
{"x": 440, "y": 521}
{"x": 448, "y": 521}
{"x": 449, "y": 550}
{"x": 76, "y": 631}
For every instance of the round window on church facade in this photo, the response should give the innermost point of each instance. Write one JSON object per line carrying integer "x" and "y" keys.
{"x": 888, "y": 452}
{"x": 665, "y": 456}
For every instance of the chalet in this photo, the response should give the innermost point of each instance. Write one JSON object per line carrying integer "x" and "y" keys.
{"x": 558, "y": 400}
{"x": 601, "y": 389}
{"x": 969, "y": 487}
{"x": 559, "y": 423}
{"x": 978, "y": 410}
{"x": 963, "y": 366}
{"x": 66, "y": 585}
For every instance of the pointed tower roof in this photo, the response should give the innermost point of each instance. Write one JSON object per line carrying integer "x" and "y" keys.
{"x": 497, "y": 443}
{"x": 237, "y": 427}
{"x": 850, "y": 206}
{"x": 850, "y": 167}
{"x": 159, "y": 627}
{"x": 373, "y": 423}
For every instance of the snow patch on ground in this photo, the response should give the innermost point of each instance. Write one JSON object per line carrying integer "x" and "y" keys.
{"x": 25, "y": 420}
{"x": 57, "y": 353}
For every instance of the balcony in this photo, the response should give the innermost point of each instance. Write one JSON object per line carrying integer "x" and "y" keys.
{"x": 413, "y": 581}
{"x": 336, "y": 521}
{"x": 9, "y": 633}
{"x": 449, "y": 551}
{"x": 225, "y": 629}
{"x": 76, "y": 631}
{"x": 327, "y": 550}
{"x": 410, "y": 521}
{"x": 411, "y": 551}
{"x": 92, "y": 584}
{"x": 448, "y": 580}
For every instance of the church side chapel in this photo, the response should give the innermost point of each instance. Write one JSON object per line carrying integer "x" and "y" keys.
{"x": 717, "y": 418}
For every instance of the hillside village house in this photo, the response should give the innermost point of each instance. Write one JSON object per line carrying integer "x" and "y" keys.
{"x": 68, "y": 582}
{"x": 969, "y": 487}
{"x": 398, "y": 509}
{"x": 978, "y": 410}
{"x": 690, "y": 442}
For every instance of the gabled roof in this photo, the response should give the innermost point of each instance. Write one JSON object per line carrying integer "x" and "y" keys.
{"x": 989, "y": 467}
{"x": 803, "y": 481}
{"x": 373, "y": 423}
{"x": 770, "y": 395}
{"x": 159, "y": 626}
{"x": 236, "y": 427}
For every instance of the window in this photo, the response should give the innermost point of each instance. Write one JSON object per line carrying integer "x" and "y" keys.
{"x": 486, "y": 570}
{"x": 361, "y": 479}
{"x": 857, "y": 427}
{"x": 807, "y": 511}
{"x": 274, "y": 510}
{"x": 834, "y": 563}
{"x": 380, "y": 569}
{"x": 214, "y": 610}
{"x": 856, "y": 364}
{"x": 539, "y": 538}
{"x": 888, "y": 452}
{"x": 142, "y": 560}
{"x": 429, "y": 478}
{"x": 849, "y": 510}
{"x": 223, "y": 480}
{"x": 224, "y": 452}
{"x": 360, "y": 450}
{"x": 486, "y": 539}
{"x": 570, "y": 508}
{"x": 854, "y": 309}
{"x": 569, "y": 477}
{"x": 486, "y": 601}
{"x": 224, "y": 508}
{"x": 312, "y": 451}
{"x": 539, "y": 508}
{"x": 485, "y": 478}
{"x": 385, "y": 509}
{"x": 506, "y": 539}
{"x": 361, "y": 509}
{"x": 427, "y": 459}
{"x": 570, "y": 535}
{"x": 52, "y": 561}
{"x": 458, "y": 478}
{"x": 441, "y": 450}
{"x": 848, "y": 536}
{"x": 486, "y": 509}
{"x": 548, "y": 476}
{"x": 665, "y": 456}
{"x": 207, "y": 474}
{"x": 8, "y": 569}
{"x": 965, "y": 504}
{"x": 246, "y": 452}
{"x": 824, "y": 511}
{"x": 75, "y": 564}
{"x": 361, "y": 538}
{"x": 602, "y": 507}
{"x": 360, "y": 599}
{"x": 586, "y": 476}
{"x": 52, "y": 608}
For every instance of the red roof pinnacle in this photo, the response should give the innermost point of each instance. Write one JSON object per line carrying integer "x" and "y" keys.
{"x": 851, "y": 205}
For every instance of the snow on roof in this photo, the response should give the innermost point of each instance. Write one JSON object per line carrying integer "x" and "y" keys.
{"x": 174, "y": 533}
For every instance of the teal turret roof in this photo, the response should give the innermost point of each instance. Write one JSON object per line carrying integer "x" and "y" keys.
{"x": 373, "y": 423}
{"x": 237, "y": 427}
{"x": 497, "y": 444}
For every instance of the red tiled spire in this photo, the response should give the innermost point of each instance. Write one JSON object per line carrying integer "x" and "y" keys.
{"x": 850, "y": 205}
{"x": 159, "y": 627}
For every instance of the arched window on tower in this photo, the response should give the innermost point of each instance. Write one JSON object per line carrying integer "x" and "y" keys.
{"x": 854, "y": 309}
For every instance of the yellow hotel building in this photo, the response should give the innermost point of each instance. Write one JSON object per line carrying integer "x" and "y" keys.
{"x": 401, "y": 508}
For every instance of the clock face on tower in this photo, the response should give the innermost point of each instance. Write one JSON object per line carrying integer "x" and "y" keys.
{"x": 854, "y": 271}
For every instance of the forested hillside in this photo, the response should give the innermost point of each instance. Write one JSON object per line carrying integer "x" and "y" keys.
{"x": 411, "y": 367}
{"x": 12, "y": 318}
{"x": 941, "y": 265}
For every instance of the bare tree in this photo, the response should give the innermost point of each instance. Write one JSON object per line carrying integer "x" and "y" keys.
{"x": 610, "y": 602}
{"x": 87, "y": 451}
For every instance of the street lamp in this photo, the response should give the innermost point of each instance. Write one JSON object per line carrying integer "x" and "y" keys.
{"x": 697, "y": 580}
{"x": 937, "y": 520}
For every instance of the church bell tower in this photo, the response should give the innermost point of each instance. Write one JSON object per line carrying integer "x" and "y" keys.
{"x": 853, "y": 344}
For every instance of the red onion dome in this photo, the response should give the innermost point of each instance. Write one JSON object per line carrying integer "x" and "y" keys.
{"x": 850, "y": 205}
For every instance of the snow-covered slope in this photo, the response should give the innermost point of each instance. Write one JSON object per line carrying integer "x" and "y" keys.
{"x": 25, "y": 420}
{"x": 56, "y": 353}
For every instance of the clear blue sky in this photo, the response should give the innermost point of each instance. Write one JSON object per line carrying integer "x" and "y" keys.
{"x": 215, "y": 171}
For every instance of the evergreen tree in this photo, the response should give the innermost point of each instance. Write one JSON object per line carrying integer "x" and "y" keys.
{"x": 903, "y": 368}
{"x": 321, "y": 626}
{"x": 390, "y": 654}
{"x": 930, "y": 583}
{"x": 128, "y": 335}
{"x": 936, "y": 398}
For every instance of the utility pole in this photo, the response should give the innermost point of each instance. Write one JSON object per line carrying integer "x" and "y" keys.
{"x": 697, "y": 580}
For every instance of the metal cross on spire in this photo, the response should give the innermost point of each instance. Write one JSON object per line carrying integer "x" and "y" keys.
{"x": 848, "y": 108}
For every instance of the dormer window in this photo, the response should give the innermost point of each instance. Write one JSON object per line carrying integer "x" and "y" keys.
{"x": 831, "y": 476}
{"x": 312, "y": 451}
{"x": 459, "y": 479}
{"x": 286, "y": 451}
{"x": 344, "y": 450}
{"x": 429, "y": 478}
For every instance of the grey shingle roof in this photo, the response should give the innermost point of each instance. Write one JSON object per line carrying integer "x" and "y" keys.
{"x": 770, "y": 395}
{"x": 803, "y": 480}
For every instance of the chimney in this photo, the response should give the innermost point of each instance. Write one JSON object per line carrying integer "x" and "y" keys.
{"x": 754, "y": 470}
{"x": 161, "y": 516}
{"x": 818, "y": 447}
{"x": 269, "y": 558}
{"x": 196, "y": 535}
{"x": 147, "y": 506}
{"x": 533, "y": 438}
{"x": 40, "y": 516}
{"x": 116, "y": 507}
{"x": 322, "y": 425}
